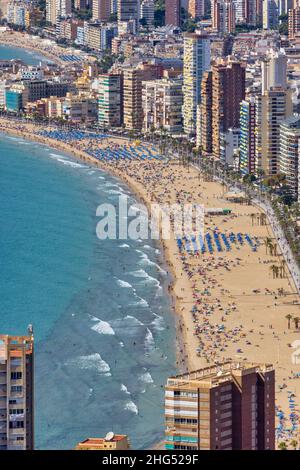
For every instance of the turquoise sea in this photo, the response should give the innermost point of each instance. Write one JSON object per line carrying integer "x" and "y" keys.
{"x": 104, "y": 328}
{"x": 28, "y": 57}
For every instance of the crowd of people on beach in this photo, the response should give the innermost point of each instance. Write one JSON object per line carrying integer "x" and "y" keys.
{"x": 211, "y": 315}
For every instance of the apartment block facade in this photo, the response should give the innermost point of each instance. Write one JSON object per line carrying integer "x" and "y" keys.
{"x": 162, "y": 103}
{"x": 109, "y": 100}
{"x": 196, "y": 61}
{"x": 225, "y": 407}
{"x": 289, "y": 153}
{"x": 16, "y": 392}
{"x": 228, "y": 90}
{"x": 294, "y": 23}
{"x": 247, "y": 136}
{"x": 132, "y": 93}
{"x": 172, "y": 12}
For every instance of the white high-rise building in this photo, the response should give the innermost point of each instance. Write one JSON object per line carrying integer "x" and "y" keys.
{"x": 289, "y": 153}
{"x": 274, "y": 70}
{"x": 56, "y": 9}
{"x": 270, "y": 14}
{"x": 196, "y": 60}
{"x": 273, "y": 106}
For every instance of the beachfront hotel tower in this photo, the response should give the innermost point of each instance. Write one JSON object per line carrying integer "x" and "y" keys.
{"x": 222, "y": 90}
{"x": 273, "y": 106}
{"x": 196, "y": 61}
{"x": 109, "y": 100}
{"x": 289, "y": 153}
{"x": 247, "y": 136}
{"x": 226, "y": 407}
{"x": 204, "y": 115}
{"x": 16, "y": 392}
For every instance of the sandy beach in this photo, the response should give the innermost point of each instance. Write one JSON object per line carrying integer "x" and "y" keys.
{"x": 48, "y": 49}
{"x": 229, "y": 303}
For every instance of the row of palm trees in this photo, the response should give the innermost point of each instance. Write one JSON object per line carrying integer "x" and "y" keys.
{"x": 271, "y": 246}
{"x": 278, "y": 271}
{"x": 288, "y": 219}
{"x": 259, "y": 219}
{"x": 296, "y": 321}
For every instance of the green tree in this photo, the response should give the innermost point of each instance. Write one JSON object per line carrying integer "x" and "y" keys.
{"x": 282, "y": 446}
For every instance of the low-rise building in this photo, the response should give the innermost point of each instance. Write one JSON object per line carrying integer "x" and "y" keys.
{"x": 110, "y": 442}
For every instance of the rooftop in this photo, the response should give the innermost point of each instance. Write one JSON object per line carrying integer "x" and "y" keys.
{"x": 214, "y": 375}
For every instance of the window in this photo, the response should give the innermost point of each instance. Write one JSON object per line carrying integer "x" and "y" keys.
{"x": 16, "y": 375}
{"x": 16, "y": 411}
{"x": 16, "y": 424}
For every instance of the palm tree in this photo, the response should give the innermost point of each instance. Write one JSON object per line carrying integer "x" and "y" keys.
{"x": 294, "y": 444}
{"x": 296, "y": 321}
{"x": 266, "y": 242}
{"x": 282, "y": 446}
{"x": 269, "y": 245}
{"x": 289, "y": 317}
{"x": 282, "y": 268}
{"x": 274, "y": 269}
{"x": 262, "y": 218}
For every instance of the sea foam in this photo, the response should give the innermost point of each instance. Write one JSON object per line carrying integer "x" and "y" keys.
{"x": 124, "y": 389}
{"x": 131, "y": 406}
{"x": 91, "y": 362}
{"x": 146, "y": 378}
{"x": 149, "y": 340}
{"x": 102, "y": 327}
{"x": 124, "y": 284}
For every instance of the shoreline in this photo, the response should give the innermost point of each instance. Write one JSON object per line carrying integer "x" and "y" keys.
{"x": 242, "y": 299}
{"x": 180, "y": 339}
{"x": 18, "y": 40}
{"x": 41, "y": 52}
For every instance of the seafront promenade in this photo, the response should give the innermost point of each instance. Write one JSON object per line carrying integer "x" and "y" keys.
{"x": 229, "y": 303}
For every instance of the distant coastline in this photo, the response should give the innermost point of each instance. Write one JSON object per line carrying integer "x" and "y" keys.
{"x": 13, "y": 39}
